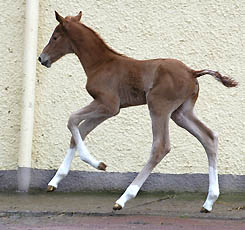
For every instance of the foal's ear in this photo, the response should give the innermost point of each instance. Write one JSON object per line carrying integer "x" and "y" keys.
{"x": 60, "y": 19}
{"x": 78, "y": 17}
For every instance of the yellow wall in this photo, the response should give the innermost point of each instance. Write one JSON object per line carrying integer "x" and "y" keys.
{"x": 203, "y": 34}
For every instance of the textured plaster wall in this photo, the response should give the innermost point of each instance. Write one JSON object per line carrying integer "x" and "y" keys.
{"x": 11, "y": 56}
{"x": 203, "y": 34}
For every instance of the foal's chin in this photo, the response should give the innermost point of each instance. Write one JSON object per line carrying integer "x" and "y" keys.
{"x": 48, "y": 65}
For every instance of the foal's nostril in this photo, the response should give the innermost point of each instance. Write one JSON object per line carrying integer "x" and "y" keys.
{"x": 44, "y": 60}
{"x": 45, "y": 63}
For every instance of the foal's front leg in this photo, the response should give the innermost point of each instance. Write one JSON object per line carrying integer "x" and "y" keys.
{"x": 88, "y": 112}
{"x": 97, "y": 109}
{"x": 85, "y": 128}
{"x": 62, "y": 171}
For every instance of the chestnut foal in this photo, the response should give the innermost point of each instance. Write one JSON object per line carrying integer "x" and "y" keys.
{"x": 167, "y": 86}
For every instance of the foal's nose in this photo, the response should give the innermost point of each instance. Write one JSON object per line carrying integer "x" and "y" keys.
{"x": 44, "y": 60}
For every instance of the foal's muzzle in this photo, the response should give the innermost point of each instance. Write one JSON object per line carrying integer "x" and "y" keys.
{"x": 44, "y": 60}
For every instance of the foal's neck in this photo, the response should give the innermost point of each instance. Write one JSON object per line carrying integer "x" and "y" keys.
{"x": 91, "y": 50}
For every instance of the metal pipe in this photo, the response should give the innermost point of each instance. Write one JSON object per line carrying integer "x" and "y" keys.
{"x": 28, "y": 98}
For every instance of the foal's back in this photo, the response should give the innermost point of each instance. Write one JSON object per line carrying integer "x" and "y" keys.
{"x": 167, "y": 78}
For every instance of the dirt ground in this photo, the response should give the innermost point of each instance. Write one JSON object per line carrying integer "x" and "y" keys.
{"x": 60, "y": 211}
{"x": 142, "y": 222}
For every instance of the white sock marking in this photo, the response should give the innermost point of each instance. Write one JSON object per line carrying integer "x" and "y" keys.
{"x": 213, "y": 192}
{"x": 83, "y": 151}
{"x": 130, "y": 193}
{"x": 64, "y": 168}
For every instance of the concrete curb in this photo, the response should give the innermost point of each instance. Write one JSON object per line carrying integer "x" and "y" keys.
{"x": 109, "y": 181}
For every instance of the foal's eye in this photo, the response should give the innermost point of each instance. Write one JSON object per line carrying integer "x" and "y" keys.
{"x": 55, "y": 38}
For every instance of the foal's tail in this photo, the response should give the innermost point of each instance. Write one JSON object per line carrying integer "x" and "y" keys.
{"x": 226, "y": 81}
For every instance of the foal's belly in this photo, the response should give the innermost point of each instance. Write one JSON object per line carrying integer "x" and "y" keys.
{"x": 131, "y": 96}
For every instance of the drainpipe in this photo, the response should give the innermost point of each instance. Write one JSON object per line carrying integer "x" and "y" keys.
{"x": 28, "y": 98}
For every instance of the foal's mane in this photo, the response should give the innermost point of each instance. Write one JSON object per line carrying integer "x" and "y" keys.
{"x": 101, "y": 40}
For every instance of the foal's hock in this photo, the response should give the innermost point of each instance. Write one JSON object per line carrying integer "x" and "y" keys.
{"x": 115, "y": 81}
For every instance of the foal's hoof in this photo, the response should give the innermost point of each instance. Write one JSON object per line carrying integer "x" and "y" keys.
{"x": 117, "y": 207}
{"x": 51, "y": 188}
{"x": 204, "y": 210}
{"x": 102, "y": 166}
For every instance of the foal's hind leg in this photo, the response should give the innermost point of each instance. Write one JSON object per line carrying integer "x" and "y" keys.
{"x": 85, "y": 128}
{"x": 185, "y": 118}
{"x": 160, "y": 147}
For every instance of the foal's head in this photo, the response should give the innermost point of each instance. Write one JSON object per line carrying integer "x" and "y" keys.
{"x": 59, "y": 43}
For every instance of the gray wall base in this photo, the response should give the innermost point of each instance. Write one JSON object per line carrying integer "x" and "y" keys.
{"x": 110, "y": 181}
{"x": 24, "y": 179}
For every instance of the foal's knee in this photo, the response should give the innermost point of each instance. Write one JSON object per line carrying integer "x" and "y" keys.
{"x": 179, "y": 117}
{"x": 72, "y": 122}
{"x": 211, "y": 143}
{"x": 159, "y": 151}
{"x": 214, "y": 137}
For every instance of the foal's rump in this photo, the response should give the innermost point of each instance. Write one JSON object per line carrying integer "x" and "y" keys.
{"x": 177, "y": 79}
{"x": 174, "y": 81}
